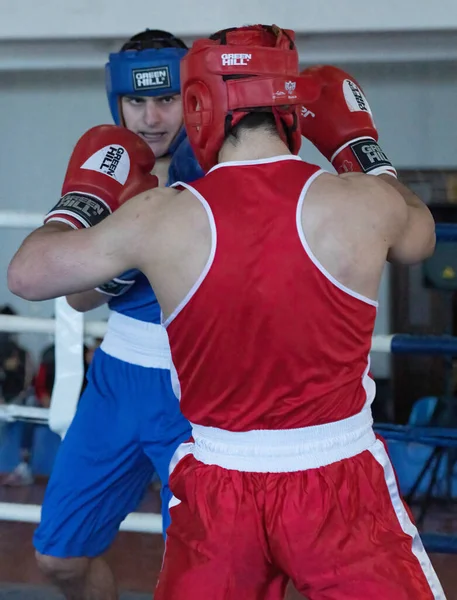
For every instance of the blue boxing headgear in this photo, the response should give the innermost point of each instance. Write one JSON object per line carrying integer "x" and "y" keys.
{"x": 142, "y": 72}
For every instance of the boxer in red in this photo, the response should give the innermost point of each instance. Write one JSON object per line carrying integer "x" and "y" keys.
{"x": 267, "y": 271}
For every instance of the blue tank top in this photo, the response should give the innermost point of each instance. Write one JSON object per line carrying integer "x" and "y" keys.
{"x": 140, "y": 301}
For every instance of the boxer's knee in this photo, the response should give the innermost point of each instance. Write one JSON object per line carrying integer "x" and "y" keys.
{"x": 63, "y": 570}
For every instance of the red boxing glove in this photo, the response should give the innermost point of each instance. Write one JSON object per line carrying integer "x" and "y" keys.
{"x": 109, "y": 165}
{"x": 340, "y": 125}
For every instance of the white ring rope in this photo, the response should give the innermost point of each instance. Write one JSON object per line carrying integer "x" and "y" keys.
{"x": 14, "y": 412}
{"x": 31, "y": 513}
{"x": 14, "y": 324}
{"x": 21, "y": 220}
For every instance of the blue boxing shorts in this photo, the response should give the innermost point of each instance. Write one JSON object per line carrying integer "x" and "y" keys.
{"x": 127, "y": 426}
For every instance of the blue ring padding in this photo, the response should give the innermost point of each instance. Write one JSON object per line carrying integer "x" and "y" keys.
{"x": 441, "y": 437}
{"x": 439, "y": 544}
{"x": 424, "y": 344}
{"x": 446, "y": 232}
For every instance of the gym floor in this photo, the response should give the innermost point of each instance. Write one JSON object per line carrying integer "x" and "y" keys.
{"x": 136, "y": 558}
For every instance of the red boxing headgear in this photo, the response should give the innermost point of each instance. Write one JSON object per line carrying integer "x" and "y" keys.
{"x": 238, "y": 71}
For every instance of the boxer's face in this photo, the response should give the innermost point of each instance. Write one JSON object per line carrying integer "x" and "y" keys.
{"x": 156, "y": 119}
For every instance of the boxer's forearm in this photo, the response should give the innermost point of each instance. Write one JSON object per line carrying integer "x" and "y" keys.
{"x": 84, "y": 301}
{"x": 417, "y": 241}
{"x": 408, "y": 195}
{"x": 28, "y": 264}
{"x": 52, "y": 262}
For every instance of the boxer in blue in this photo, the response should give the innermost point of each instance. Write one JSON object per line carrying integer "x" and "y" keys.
{"x": 128, "y": 423}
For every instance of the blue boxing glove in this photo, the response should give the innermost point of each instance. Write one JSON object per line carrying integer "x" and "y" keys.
{"x": 184, "y": 166}
{"x": 119, "y": 285}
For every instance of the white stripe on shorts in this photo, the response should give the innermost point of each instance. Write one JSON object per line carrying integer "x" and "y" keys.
{"x": 380, "y": 455}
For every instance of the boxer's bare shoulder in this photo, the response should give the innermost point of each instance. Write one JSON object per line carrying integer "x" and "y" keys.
{"x": 362, "y": 203}
{"x": 163, "y": 204}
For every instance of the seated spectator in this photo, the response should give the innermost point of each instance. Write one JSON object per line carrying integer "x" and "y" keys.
{"x": 16, "y": 368}
{"x": 43, "y": 384}
{"x": 44, "y": 379}
{"x": 16, "y": 374}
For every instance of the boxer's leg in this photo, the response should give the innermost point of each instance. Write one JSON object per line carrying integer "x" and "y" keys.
{"x": 163, "y": 427}
{"x": 99, "y": 477}
{"x": 216, "y": 547}
{"x": 342, "y": 532}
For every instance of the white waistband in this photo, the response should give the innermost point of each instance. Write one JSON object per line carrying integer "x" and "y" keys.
{"x": 278, "y": 451}
{"x": 137, "y": 342}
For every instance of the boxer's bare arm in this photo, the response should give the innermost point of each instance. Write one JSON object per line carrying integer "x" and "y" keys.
{"x": 82, "y": 301}
{"x": 85, "y": 301}
{"x": 56, "y": 261}
{"x": 400, "y": 217}
{"x": 353, "y": 223}
{"x": 418, "y": 238}
{"x": 146, "y": 231}
{"x": 403, "y": 220}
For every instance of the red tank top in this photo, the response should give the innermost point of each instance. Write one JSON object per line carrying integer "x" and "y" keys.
{"x": 267, "y": 338}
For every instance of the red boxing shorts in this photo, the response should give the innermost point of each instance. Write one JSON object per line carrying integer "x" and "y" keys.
{"x": 318, "y": 505}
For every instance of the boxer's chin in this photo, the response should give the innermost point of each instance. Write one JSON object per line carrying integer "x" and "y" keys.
{"x": 159, "y": 144}
{"x": 160, "y": 150}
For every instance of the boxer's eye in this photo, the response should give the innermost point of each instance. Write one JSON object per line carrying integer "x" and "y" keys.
{"x": 167, "y": 99}
{"x": 134, "y": 100}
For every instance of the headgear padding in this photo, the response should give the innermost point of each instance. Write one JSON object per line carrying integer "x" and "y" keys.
{"x": 149, "y": 72}
{"x": 238, "y": 71}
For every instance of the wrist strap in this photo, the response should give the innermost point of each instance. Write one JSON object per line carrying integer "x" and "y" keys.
{"x": 362, "y": 155}
{"x": 79, "y": 210}
{"x": 115, "y": 287}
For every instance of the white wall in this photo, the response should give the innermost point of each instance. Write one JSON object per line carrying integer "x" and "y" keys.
{"x": 109, "y": 18}
{"x": 43, "y": 113}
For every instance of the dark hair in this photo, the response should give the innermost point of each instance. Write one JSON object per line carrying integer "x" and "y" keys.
{"x": 153, "y": 38}
{"x": 274, "y": 30}
{"x": 256, "y": 119}
{"x": 6, "y": 309}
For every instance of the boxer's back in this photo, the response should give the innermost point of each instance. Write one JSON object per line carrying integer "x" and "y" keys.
{"x": 268, "y": 338}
